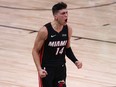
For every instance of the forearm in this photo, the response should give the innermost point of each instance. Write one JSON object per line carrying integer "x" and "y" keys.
{"x": 70, "y": 55}
{"x": 36, "y": 59}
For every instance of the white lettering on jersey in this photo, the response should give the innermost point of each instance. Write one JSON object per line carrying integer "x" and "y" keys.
{"x": 64, "y": 35}
{"x": 57, "y": 43}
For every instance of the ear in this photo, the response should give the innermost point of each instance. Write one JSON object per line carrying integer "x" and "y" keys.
{"x": 55, "y": 17}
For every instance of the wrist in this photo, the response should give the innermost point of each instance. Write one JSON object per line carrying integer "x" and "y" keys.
{"x": 39, "y": 69}
{"x": 76, "y": 61}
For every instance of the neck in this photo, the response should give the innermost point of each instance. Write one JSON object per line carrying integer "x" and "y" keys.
{"x": 57, "y": 26}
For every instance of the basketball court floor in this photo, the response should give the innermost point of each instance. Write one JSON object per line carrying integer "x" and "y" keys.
{"x": 93, "y": 41}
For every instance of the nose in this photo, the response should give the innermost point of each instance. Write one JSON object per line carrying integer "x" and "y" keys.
{"x": 66, "y": 14}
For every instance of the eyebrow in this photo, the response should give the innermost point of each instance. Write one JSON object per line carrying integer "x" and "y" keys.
{"x": 64, "y": 12}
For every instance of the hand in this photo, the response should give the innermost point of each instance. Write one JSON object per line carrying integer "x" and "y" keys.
{"x": 78, "y": 64}
{"x": 42, "y": 73}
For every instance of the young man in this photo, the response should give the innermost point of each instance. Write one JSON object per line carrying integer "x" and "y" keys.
{"x": 51, "y": 45}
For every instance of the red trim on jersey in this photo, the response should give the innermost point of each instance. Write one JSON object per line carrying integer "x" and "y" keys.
{"x": 41, "y": 55}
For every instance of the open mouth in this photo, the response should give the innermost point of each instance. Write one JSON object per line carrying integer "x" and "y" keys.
{"x": 65, "y": 20}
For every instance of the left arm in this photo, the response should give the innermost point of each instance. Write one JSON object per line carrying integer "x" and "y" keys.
{"x": 69, "y": 52}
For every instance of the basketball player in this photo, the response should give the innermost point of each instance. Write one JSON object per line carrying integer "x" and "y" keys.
{"x": 51, "y": 45}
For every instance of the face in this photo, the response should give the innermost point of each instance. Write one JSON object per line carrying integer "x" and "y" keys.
{"x": 62, "y": 16}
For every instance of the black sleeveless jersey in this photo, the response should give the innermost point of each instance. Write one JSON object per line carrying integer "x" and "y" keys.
{"x": 54, "y": 47}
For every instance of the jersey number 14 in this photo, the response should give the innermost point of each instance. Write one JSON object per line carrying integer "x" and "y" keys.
{"x": 59, "y": 51}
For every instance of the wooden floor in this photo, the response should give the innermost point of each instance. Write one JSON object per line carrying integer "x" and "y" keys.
{"x": 93, "y": 41}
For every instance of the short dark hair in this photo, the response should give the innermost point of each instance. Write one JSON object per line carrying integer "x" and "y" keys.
{"x": 58, "y": 6}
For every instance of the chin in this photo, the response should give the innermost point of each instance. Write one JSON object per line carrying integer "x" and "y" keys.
{"x": 65, "y": 23}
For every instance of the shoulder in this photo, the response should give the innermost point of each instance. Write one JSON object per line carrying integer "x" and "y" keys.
{"x": 43, "y": 33}
{"x": 43, "y": 30}
{"x": 69, "y": 30}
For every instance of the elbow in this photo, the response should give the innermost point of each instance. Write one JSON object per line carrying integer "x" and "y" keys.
{"x": 35, "y": 52}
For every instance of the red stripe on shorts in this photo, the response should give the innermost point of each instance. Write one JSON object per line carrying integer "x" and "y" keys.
{"x": 41, "y": 55}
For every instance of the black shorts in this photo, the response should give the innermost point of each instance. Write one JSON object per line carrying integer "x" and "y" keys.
{"x": 55, "y": 75}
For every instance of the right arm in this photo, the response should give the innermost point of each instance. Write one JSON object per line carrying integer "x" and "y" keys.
{"x": 69, "y": 52}
{"x": 40, "y": 39}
